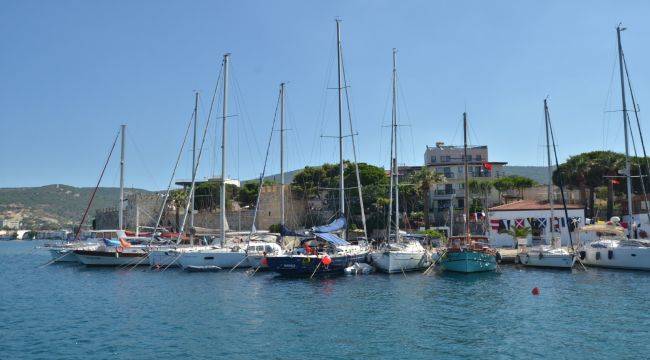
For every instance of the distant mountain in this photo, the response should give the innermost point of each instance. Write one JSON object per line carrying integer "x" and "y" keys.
{"x": 54, "y": 206}
{"x": 537, "y": 173}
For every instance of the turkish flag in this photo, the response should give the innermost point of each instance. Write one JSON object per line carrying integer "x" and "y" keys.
{"x": 487, "y": 166}
{"x": 616, "y": 182}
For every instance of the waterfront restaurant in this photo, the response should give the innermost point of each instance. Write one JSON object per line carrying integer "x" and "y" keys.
{"x": 535, "y": 215}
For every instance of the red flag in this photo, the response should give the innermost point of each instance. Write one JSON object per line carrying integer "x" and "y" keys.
{"x": 616, "y": 182}
{"x": 487, "y": 166}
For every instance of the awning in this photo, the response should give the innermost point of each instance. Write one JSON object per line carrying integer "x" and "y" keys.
{"x": 332, "y": 239}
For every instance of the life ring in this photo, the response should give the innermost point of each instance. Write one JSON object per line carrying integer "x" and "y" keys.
{"x": 306, "y": 260}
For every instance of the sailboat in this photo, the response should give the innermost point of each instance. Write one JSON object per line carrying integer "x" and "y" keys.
{"x": 551, "y": 255}
{"x": 323, "y": 251}
{"x": 466, "y": 254}
{"x": 611, "y": 247}
{"x": 115, "y": 252}
{"x": 225, "y": 255}
{"x": 404, "y": 253}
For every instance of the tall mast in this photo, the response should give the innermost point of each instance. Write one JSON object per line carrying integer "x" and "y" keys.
{"x": 192, "y": 205}
{"x": 394, "y": 132}
{"x": 223, "y": 148}
{"x": 466, "y": 192}
{"x": 282, "y": 153}
{"x": 121, "y": 207}
{"x": 340, "y": 93}
{"x": 625, "y": 128}
{"x": 550, "y": 170}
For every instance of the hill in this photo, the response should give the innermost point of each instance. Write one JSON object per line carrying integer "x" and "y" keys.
{"x": 54, "y": 206}
{"x": 537, "y": 173}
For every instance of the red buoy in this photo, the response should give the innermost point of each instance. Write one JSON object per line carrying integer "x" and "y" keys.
{"x": 326, "y": 260}
{"x": 264, "y": 261}
{"x": 535, "y": 291}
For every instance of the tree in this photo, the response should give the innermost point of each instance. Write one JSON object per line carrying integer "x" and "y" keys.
{"x": 424, "y": 180}
{"x": 179, "y": 200}
{"x": 482, "y": 188}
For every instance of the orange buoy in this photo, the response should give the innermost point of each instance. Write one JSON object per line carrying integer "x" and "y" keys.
{"x": 326, "y": 260}
{"x": 535, "y": 291}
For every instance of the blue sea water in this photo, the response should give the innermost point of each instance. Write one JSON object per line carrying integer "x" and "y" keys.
{"x": 73, "y": 312}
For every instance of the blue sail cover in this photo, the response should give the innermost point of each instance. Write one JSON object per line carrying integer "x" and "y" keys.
{"x": 336, "y": 225}
{"x": 111, "y": 242}
{"x": 284, "y": 231}
{"x": 332, "y": 239}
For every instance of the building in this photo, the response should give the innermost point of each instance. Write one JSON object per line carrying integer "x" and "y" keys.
{"x": 449, "y": 160}
{"x": 11, "y": 224}
{"x": 535, "y": 215}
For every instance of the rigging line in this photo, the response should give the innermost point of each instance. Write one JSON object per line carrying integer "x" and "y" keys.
{"x": 638, "y": 164}
{"x": 560, "y": 182}
{"x": 608, "y": 99}
{"x": 241, "y": 104}
{"x": 198, "y": 159}
{"x": 323, "y": 103}
{"x": 266, "y": 159}
{"x": 354, "y": 151}
{"x": 408, "y": 115}
{"x": 141, "y": 158}
{"x": 636, "y": 113}
{"x": 92, "y": 196}
{"x": 171, "y": 178}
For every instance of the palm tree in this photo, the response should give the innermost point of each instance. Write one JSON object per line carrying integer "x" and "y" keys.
{"x": 482, "y": 188}
{"x": 178, "y": 200}
{"x": 424, "y": 180}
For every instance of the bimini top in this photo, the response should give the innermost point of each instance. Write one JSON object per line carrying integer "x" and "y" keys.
{"x": 336, "y": 225}
{"x": 332, "y": 239}
{"x": 604, "y": 228}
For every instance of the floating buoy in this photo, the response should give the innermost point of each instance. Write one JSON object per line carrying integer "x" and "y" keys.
{"x": 264, "y": 261}
{"x": 326, "y": 260}
{"x": 535, "y": 291}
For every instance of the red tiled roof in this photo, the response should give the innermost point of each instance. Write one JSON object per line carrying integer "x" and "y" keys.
{"x": 531, "y": 205}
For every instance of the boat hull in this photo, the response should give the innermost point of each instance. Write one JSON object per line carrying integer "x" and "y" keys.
{"x": 468, "y": 261}
{"x": 163, "y": 258}
{"x": 111, "y": 258}
{"x": 398, "y": 261}
{"x": 306, "y": 265}
{"x": 63, "y": 255}
{"x": 564, "y": 261}
{"x": 632, "y": 258}
{"x": 223, "y": 260}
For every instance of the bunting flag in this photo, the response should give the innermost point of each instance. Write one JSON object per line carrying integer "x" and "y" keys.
{"x": 504, "y": 225}
{"x": 575, "y": 222}
{"x": 495, "y": 224}
{"x": 542, "y": 223}
{"x": 520, "y": 223}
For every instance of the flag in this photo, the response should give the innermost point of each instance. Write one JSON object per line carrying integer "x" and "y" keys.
{"x": 495, "y": 224}
{"x": 487, "y": 166}
{"x": 616, "y": 182}
{"x": 542, "y": 223}
{"x": 520, "y": 223}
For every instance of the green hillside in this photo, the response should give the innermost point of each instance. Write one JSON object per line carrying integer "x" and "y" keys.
{"x": 54, "y": 206}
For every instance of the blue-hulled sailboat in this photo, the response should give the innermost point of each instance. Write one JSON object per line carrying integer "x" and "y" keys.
{"x": 467, "y": 253}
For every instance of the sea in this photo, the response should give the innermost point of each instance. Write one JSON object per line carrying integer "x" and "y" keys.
{"x": 64, "y": 311}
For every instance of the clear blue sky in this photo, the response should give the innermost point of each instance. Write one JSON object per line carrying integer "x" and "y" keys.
{"x": 72, "y": 71}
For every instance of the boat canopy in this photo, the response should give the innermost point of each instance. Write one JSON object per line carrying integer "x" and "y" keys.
{"x": 604, "y": 228}
{"x": 336, "y": 225}
{"x": 332, "y": 239}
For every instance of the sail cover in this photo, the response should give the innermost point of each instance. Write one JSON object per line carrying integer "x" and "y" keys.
{"x": 332, "y": 239}
{"x": 284, "y": 231}
{"x": 335, "y": 225}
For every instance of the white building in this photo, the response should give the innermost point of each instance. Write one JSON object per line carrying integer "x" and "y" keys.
{"x": 535, "y": 215}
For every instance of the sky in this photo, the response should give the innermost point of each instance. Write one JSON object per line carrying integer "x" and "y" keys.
{"x": 72, "y": 71}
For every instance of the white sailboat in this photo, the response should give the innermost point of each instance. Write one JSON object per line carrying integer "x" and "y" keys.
{"x": 224, "y": 255}
{"x": 405, "y": 253}
{"x": 551, "y": 255}
{"x": 611, "y": 247}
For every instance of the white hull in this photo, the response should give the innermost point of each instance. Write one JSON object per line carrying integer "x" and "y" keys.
{"x": 224, "y": 259}
{"x": 398, "y": 261}
{"x": 170, "y": 256}
{"x": 564, "y": 261}
{"x": 622, "y": 257}
{"x": 63, "y": 255}
{"x": 112, "y": 259}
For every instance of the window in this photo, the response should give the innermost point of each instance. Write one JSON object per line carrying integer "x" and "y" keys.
{"x": 461, "y": 203}
{"x": 478, "y": 157}
{"x": 469, "y": 157}
{"x": 445, "y": 158}
{"x": 433, "y": 159}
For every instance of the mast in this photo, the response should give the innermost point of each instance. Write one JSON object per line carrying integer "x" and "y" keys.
{"x": 121, "y": 207}
{"x": 550, "y": 170}
{"x": 466, "y": 192}
{"x": 394, "y": 133}
{"x": 625, "y": 128}
{"x": 192, "y": 205}
{"x": 340, "y": 93}
{"x": 223, "y": 148}
{"x": 282, "y": 220}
